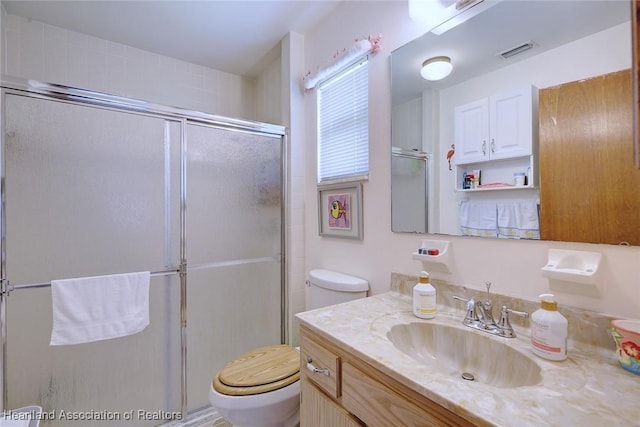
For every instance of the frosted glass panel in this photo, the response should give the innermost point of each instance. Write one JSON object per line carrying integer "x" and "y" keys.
{"x": 409, "y": 184}
{"x": 231, "y": 310}
{"x": 234, "y": 195}
{"x": 86, "y": 190}
{"x": 91, "y": 191}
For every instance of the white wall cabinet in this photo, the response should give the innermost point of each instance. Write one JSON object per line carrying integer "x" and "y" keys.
{"x": 498, "y": 135}
{"x": 497, "y": 127}
{"x": 472, "y": 132}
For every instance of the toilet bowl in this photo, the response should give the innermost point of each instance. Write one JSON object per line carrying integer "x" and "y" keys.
{"x": 261, "y": 388}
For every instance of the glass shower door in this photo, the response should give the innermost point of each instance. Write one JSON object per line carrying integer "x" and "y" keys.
{"x": 91, "y": 191}
{"x": 234, "y": 249}
{"x": 409, "y": 195}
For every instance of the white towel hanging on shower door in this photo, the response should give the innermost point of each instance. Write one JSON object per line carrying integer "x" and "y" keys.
{"x": 98, "y": 308}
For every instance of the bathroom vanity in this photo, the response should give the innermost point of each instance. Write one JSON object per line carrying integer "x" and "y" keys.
{"x": 367, "y": 362}
{"x": 360, "y": 394}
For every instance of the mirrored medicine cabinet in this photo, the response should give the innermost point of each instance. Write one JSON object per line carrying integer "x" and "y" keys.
{"x": 557, "y": 43}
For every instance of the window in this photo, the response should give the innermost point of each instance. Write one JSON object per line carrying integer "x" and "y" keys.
{"x": 343, "y": 124}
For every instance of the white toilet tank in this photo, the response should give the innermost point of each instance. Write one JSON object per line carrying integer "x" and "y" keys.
{"x": 330, "y": 287}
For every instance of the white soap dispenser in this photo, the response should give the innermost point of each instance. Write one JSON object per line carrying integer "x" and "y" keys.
{"x": 424, "y": 298}
{"x": 549, "y": 330}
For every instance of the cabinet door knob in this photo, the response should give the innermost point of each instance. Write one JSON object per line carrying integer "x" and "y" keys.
{"x": 493, "y": 145}
{"x": 484, "y": 147}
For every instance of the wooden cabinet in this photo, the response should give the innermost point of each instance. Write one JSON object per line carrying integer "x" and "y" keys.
{"x": 320, "y": 375}
{"x": 589, "y": 185}
{"x": 362, "y": 395}
{"x": 498, "y": 136}
{"x": 316, "y": 409}
{"x": 635, "y": 45}
{"x": 326, "y": 362}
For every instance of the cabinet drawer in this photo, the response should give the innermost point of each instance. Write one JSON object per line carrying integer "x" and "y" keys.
{"x": 312, "y": 353}
{"x": 384, "y": 404}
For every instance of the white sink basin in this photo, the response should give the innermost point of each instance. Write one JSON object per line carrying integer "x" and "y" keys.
{"x": 459, "y": 352}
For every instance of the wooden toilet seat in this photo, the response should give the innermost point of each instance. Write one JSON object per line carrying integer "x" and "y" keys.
{"x": 259, "y": 371}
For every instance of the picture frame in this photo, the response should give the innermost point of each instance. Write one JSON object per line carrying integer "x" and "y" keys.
{"x": 340, "y": 210}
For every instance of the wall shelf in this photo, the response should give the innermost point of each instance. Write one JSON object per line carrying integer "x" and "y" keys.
{"x": 575, "y": 268}
{"x": 441, "y": 262}
{"x": 512, "y": 187}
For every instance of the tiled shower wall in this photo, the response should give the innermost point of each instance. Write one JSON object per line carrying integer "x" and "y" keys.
{"x": 34, "y": 50}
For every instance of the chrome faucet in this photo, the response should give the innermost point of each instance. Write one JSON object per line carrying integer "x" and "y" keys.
{"x": 479, "y": 315}
{"x": 504, "y": 326}
{"x": 485, "y": 316}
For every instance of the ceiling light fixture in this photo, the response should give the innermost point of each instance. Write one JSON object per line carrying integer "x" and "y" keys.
{"x": 436, "y": 68}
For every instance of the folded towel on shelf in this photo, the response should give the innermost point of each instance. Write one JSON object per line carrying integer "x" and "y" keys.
{"x": 478, "y": 219}
{"x": 518, "y": 220}
{"x": 98, "y": 308}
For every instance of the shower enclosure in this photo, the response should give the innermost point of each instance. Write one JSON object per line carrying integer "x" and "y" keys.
{"x": 95, "y": 184}
{"x": 409, "y": 198}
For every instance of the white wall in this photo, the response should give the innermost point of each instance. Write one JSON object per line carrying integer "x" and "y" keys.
{"x": 512, "y": 266}
{"x": 292, "y": 48}
{"x": 33, "y": 50}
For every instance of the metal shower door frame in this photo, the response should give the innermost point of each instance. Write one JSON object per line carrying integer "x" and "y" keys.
{"x": 47, "y": 91}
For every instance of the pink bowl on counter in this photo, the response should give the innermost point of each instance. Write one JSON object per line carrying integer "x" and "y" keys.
{"x": 626, "y": 334}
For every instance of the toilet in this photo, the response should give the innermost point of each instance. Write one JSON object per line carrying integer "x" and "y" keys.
{"x": 261, "y": 388}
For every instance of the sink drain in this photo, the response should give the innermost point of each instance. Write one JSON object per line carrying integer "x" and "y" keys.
{"x": 467, "y": 376}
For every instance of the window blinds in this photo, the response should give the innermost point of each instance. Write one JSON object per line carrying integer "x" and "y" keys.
{"x": 343, "y": 125}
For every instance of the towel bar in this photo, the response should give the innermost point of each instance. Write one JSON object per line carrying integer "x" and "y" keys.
{"x": 5, "y": 287}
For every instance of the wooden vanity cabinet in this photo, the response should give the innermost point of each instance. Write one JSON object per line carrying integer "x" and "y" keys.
{"x": 320, "y": 392}
{"x": 359, "y": 394}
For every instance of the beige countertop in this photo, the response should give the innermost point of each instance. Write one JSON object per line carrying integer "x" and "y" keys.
{"x": 589, "y": 388}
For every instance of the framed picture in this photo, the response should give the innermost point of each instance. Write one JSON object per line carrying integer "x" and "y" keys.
{"x": 340, "y": 210}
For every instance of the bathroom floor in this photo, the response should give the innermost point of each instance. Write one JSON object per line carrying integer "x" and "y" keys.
{"x": 207, "y": 417}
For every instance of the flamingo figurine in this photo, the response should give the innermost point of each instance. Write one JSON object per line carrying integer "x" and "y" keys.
{"x": 450, "y": 154}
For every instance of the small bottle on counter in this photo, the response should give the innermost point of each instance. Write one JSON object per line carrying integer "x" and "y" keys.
{"x": 424, "y": 298}
{"x": 549, "y": 330}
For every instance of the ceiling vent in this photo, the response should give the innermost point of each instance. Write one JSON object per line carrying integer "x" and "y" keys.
{"x": 523, "y": 47}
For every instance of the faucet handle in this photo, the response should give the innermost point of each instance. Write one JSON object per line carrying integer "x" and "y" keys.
{"x": 504, "y": 325}
{"x": 470, "y": 306}
{"x": 517, "y": 313}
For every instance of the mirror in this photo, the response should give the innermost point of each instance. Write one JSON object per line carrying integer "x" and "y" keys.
{"x": 571, "y": 40}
